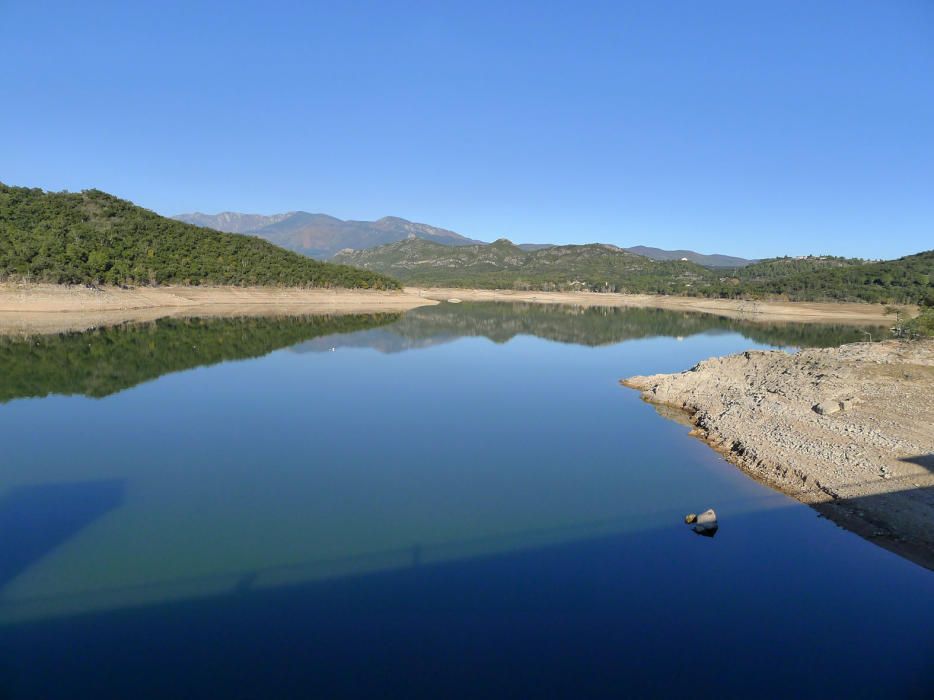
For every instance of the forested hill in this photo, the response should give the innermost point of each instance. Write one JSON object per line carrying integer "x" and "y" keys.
{"x": 604, "y": 268}
{"x": 908, "y": 280}
{"x": 92, "y": 237}
{"x": 595, "y": 267}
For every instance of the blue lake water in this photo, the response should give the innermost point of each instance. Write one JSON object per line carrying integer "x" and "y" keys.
{"x": 457, "y": 502}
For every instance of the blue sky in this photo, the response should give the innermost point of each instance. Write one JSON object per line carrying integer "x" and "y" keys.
{"x": 752, "y": 128}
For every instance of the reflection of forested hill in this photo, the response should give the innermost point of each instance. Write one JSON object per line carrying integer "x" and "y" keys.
{"x": 594, "y": 326}
{"x": 107, "y": 360}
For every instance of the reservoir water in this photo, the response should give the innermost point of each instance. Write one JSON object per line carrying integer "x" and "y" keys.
{"x": 460, "y": 501}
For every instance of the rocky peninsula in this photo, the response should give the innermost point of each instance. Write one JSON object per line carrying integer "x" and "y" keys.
{"x": 847, "y": 430}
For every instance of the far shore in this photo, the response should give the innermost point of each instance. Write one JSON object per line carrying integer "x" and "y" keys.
{"x": 766, "y": 311}
{"x": 46, "y": 308}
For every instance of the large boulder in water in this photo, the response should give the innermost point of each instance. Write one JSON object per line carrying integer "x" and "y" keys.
{"x": 706, "y": 523}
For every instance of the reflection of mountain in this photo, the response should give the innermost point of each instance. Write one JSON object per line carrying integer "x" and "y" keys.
{"x": 385, "y": 340}
{"x": 107, "y": 360}
{"x": 593, "y": 326}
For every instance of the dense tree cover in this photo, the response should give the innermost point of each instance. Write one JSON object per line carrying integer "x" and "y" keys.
{"x": 104, "y": 361}
{"x": 905, "y": 280}
{"x": 94, "y": 238}
{"x": 922, "y": 326}
{"x": 503, "y": 265}
{"x": 600, "y": 268}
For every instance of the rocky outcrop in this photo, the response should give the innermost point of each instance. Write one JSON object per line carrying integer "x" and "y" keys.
{"x": 849, "y": 430}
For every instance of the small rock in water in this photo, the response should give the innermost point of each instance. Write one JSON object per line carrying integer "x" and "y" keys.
{"x": 706, "y": 523}
{"x": 690, "y": 518}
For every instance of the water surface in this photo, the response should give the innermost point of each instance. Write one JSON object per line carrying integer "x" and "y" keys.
{"x": 458, "y": 501}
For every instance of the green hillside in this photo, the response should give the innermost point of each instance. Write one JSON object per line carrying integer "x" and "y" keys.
{"x": 503, "y": 265}
{"x": 905, "y": 280}
{"x": 604, "y": 268}
{"x": 92, "y": 238}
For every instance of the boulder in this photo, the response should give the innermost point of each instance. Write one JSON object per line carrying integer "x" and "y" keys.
{"x": 690, "y": 518}
{"x": 706, "y": 523}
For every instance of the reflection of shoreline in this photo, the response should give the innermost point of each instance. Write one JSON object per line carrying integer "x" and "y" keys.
{"x": 593, "y": 326}
{"x": 108, "y": 360}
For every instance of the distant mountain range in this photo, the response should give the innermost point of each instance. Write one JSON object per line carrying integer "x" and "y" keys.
{"x": 699, "y": 258}
{"x": 323, "y": 236}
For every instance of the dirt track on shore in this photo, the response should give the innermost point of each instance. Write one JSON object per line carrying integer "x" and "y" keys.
{"x": 848, "y": 430}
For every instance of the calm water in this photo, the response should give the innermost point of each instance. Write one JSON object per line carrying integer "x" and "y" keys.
{"x": 460, "y": 501}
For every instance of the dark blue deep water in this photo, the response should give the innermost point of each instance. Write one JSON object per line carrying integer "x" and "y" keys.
{"x": 458, "y": 502}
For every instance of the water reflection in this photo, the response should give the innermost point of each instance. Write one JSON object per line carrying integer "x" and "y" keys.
{"x": 107, "y": 360}
{"x": 593, "y": 326}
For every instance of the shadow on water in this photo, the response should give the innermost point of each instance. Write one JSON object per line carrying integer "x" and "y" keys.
{"x": 569, "y": 620}
{"x": 926, "y": 461}
{"x": 34, "y": 520}
{"x": 899, "y": 520}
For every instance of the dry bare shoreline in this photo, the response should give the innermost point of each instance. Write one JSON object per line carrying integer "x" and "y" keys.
{"x": 47, "y": 308}
{"x": 847, "y": 430}
{"x": 771, "y": 311}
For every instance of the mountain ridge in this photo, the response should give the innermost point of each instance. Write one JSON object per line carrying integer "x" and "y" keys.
{"x": 321, "y": 235}
{"x": 324, "y": 236}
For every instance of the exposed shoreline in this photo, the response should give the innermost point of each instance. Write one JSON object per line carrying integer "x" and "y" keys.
{"x": 792, "y": 311}
{"x": 27, "y": 309}
{"x": 868, "y": 466}
{"x": 47, "y": 308}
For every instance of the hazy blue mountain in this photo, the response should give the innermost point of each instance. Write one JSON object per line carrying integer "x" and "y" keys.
{"x": 322, "y": 236}
{"x": 715, "y": 260}
{"x": 231, "y": 221}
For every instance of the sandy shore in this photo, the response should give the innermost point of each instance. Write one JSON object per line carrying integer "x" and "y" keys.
{"x": 794, "y": 311}
{"x": 47, "y": 308}
{"x": 848, "y": 430}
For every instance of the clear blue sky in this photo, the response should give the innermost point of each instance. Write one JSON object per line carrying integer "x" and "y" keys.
{"x": 747, "y": 127}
